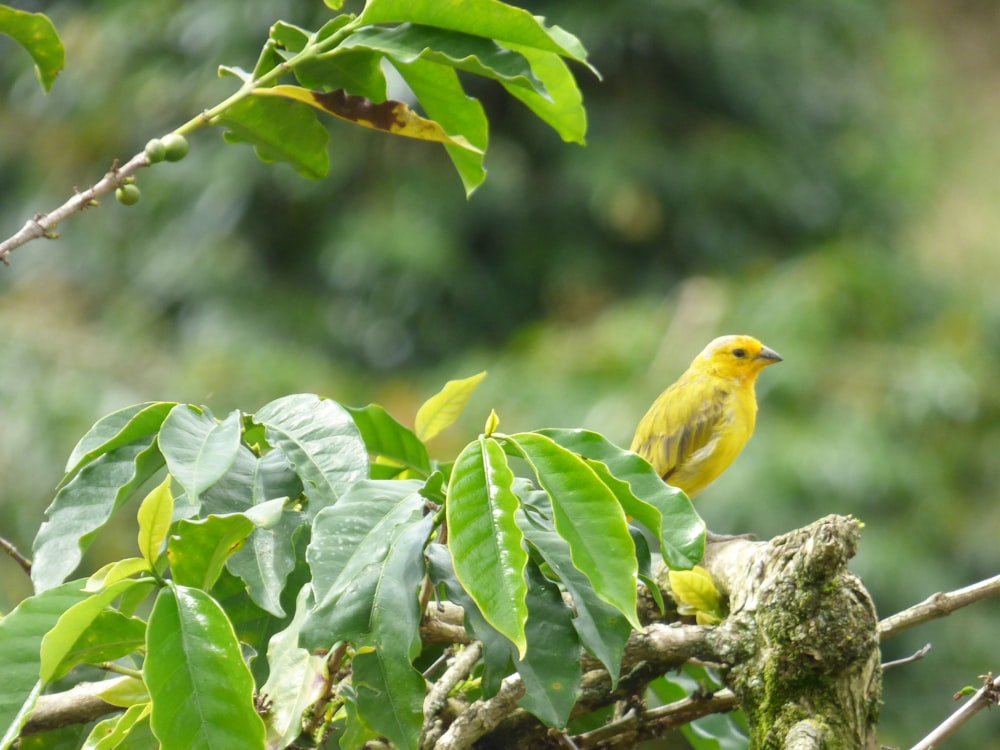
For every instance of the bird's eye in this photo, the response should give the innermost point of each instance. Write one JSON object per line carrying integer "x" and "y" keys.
{"x": 740, "y": 353}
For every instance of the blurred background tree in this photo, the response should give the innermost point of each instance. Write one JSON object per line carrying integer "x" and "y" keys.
{"x": 820, "y": 175}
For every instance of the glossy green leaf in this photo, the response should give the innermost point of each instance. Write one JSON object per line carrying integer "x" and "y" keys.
{"x": 498, "y": 651}
{"x": 297, "y": 680}
{"x": 390, "y": 692}
{"x": 84, "y": 505}
{"x": 110, "y": 733}
{"x": 254, "y": 627}
{"x": 21, "y": 633}
{"x": 155, "y": 515}
{"x": 201, "y": 689}
{"x": 603, "y": 630}
{"x": 357, "y": 71}
{"x": 472, "y": 54}
{"x": 588, "y": 516}
{"x": 440, "y": 93}
{"x": 198, "y": 449}
{"x": 198, "y": 550}
{"x": 320, "y": 439}
{"x": 349, "y": 545}
{"x": 664, "y": 510}
{"x": 551, "y": 668}
{"x": 562, "y": 108}
{"x": 288, "y": 36}
{"x": 280, "y": 130}
{"x": 61, "y": 644}
{"x": 117, "y": 429}
{"x": 266, "y": 560}
{"x": 386, "y": 437}
{"x": 487, "y": 18}
{"x": 485, "y": 542}
{"x": 35, "y": 32}
{"x": 442, "y": 409}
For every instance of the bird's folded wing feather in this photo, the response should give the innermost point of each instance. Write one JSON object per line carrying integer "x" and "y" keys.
{"x": 682, "y": 427}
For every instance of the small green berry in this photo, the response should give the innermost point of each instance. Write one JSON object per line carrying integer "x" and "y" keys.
{"x": 128, "y": 195}
{"x": 156, "y": 151}
{"x": 177, "y": 146}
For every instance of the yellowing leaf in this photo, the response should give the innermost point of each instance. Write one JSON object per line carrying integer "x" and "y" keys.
{"x": 492, "y": 422}
{"x": 155, "y": 515}
{"x": 442, "y": 409}
{"x": 695, "y": 594}
{"x": 116, "y": 571}
{"x": 388, "y": 116}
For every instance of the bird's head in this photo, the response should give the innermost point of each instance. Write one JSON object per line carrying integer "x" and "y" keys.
{"x": 736, "y": 357}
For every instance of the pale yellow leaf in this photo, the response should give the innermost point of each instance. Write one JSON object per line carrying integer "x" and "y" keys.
{"x": 696, "y": 594}
{"x": 442, "y": 409}
{"x": 155, "y": 515}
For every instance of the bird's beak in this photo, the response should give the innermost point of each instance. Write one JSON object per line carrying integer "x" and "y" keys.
{"x": 769, "y": 356}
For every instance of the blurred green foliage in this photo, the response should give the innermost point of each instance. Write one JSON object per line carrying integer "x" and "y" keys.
{"x": 798, "y": 171}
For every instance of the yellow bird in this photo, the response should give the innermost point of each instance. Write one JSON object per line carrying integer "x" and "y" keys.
{"x": 699, "y": 425}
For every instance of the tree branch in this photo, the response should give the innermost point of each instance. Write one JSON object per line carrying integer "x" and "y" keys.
{"x": 44, "y": 225}
{"x": 988, "y": 695}
{"x": 938, "y": 605}
{"x": 12, "y": 552}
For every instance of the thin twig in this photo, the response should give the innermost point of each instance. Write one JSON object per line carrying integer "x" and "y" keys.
{"x": 460, "y": 668}
{"x": 12, "y": 552}
{"x": 988, "y": 695}
{"x": 938, "y": 605}
{"x": 44, "y": 225}
{"x": 916, "y": 656}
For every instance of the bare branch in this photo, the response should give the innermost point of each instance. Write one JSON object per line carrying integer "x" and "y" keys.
{"x": 20, "y": 559}
{"x": 483, "y": 715}
{"x": 44, "y": 225}
{"x": 988, "y": 695}
{"x": 78, "y": 705}
{"x": 938, "y": 605}
{"x": 919, "y": 654}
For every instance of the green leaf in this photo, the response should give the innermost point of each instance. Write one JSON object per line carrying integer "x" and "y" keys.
{"x": 357, "y": 71}
{"x": 588, "y": 516}
{"x": 201, "y": 689}
{"x": 551, "y": 668}
{"x": 117, "y": 429}
{"x": 64, "y": 642}
{"x": 198, "y": 550}
{"x": 562, "y": 109}
{"x": 484, "y": 540}
{"x": 386, "y": 437}
{"x": 602, "y": 628}
{"x": 35, "y": 32}
{"x": 320, "y": 439}
{"x": 21, "y": 634}
{"x": 280, "y": 130}
{"x": 498, "y": 651}
{"x": 267, "y": 558}
{"x": 110, "y": 733}
{"x": 487, "y": 18}
{"x": 289, "y": 36}
{"x": 390, "y": 692}
{"x": 473, "y": 54}
{"x": 297, "y": 680}
{"x": 84, "y": 505}
{"x": 155, "y": 515}
{"x": 349, "y": 545}
{"x": 440, "y": 93}
{"x": 442, "y": 409}
{"x": 664, "y": 510}
{"x": 695, "y": 593}
{"x": 198, "y": 449}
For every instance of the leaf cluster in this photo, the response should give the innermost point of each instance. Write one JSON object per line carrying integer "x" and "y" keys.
{"x": 286, "y": 560}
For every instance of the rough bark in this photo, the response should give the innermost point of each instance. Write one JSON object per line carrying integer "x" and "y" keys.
{"x": 800, "y": 644}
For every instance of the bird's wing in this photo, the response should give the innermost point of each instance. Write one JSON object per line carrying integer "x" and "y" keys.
{"x": 681, "y": 427}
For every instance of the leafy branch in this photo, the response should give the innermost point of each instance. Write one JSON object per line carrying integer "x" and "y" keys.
{"x": 338, "y": 70}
